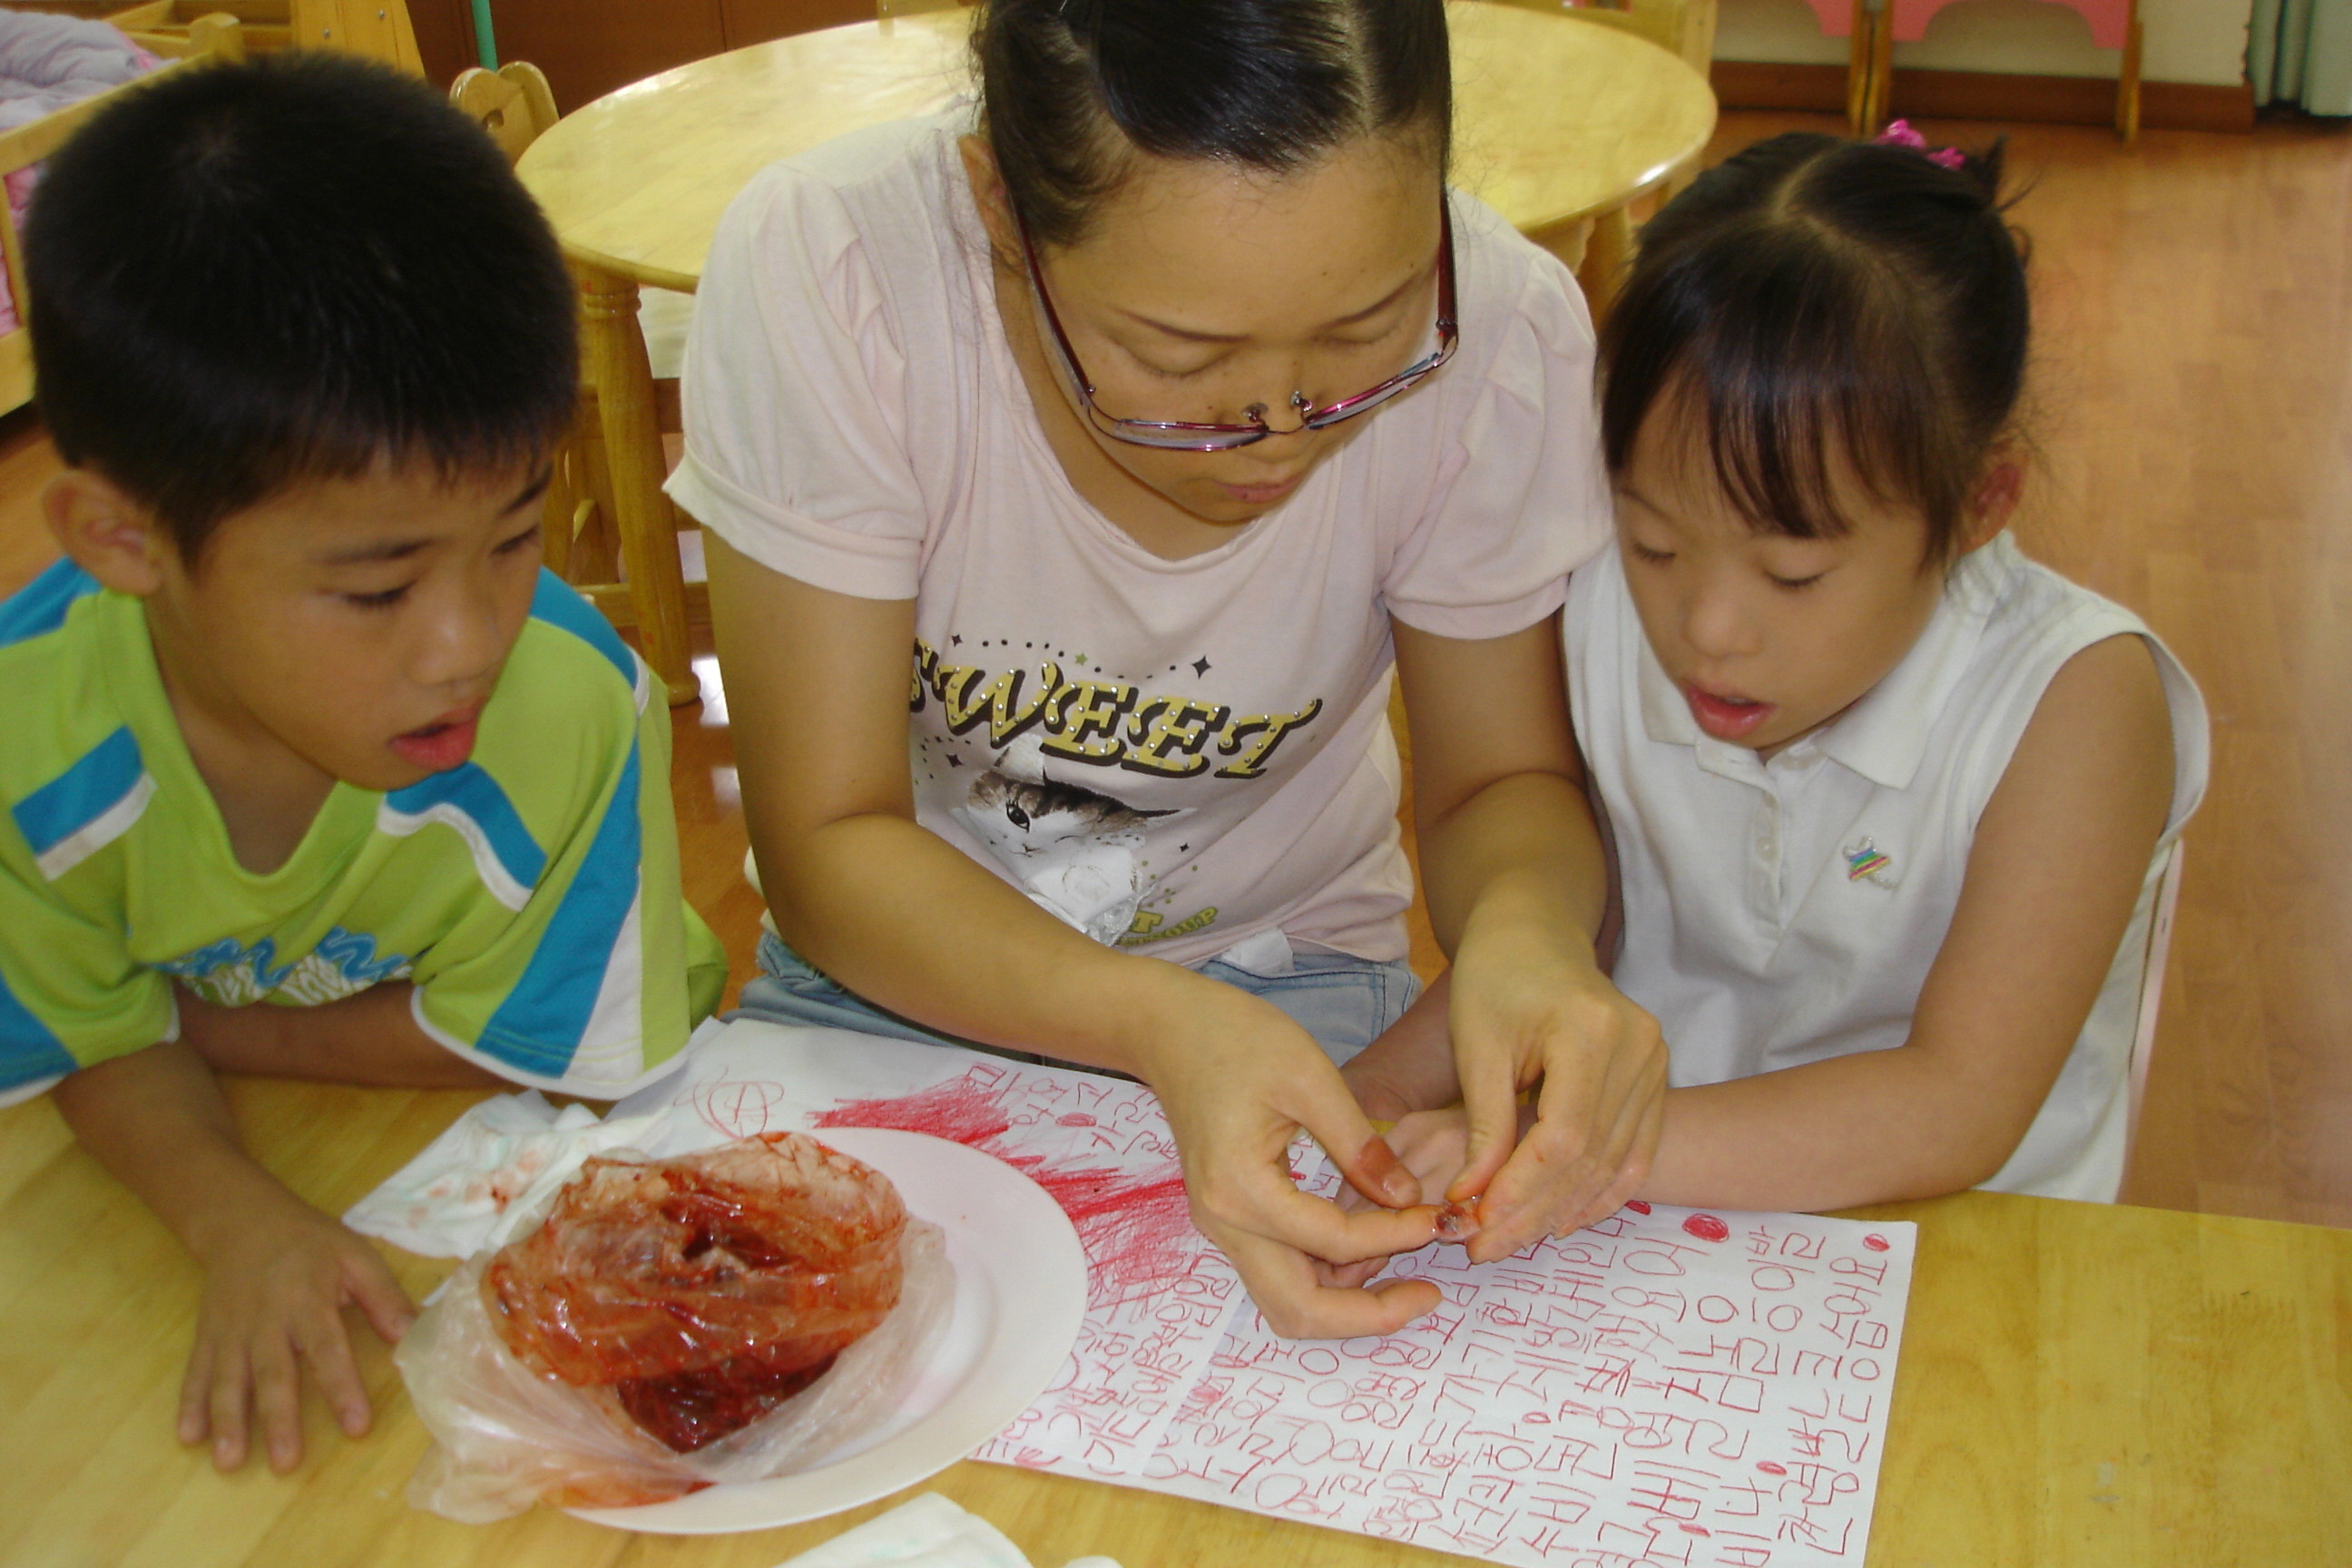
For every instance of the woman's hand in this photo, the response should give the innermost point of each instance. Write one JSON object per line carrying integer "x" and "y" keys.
{"x": 275, "y": 1284}
{"x": 1516, "y": 876}
{"x": 1527, "y": 1012}
{"x": 1236, "y": 1089}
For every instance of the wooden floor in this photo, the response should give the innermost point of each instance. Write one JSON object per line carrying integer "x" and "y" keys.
{"x": 2193, "y": 410}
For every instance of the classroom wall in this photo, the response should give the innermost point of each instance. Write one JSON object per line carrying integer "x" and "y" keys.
{"x": 2201, "y": 41}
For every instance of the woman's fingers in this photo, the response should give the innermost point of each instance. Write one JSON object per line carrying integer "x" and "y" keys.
{"x": 1321, "y": 1104}
{"x": 1299, "y": 1306}
{"x": 1603, "y": 1066}
{"x": 1490, "y": 1093}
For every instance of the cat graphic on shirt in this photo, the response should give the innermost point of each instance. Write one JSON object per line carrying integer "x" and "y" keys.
{"x": 1075, "y": 851}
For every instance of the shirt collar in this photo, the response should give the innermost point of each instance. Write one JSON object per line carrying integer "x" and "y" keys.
{"x": 1883, "y": 737}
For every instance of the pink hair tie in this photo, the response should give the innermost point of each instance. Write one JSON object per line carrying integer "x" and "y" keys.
{"x": 1899, "y": 133}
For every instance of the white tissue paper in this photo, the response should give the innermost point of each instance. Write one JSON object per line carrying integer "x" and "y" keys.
{"x": 928, "y": 1532}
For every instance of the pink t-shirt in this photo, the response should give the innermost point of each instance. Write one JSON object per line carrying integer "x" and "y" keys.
{"x": 1171, "y": 755}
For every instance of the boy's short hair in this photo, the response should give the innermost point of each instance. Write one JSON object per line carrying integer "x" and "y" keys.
{"x": 247, "y": 277}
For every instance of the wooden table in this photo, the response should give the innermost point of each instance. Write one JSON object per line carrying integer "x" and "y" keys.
{"x": 1561, "y": 122}
{"x": 2081, "y": 1387}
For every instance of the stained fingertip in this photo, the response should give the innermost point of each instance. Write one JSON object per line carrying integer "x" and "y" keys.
{"x": 1458, "y": 1222}
{"x": 1378, "y": 1167}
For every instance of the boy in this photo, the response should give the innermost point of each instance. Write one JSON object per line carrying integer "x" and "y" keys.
{"x": 299, "y": 721}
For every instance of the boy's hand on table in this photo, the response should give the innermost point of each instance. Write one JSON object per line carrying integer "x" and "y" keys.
{"x": 1236, "y": 1088}
{"x": 1523, "y": 1012}
{"x": 275, "y": 1284}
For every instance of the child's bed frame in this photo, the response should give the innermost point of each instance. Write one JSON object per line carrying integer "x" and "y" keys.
{"x": 181, "y": 31}
{"x": 214, "y": 36}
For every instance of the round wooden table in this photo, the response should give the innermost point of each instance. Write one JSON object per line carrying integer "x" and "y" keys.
{"x": 1559, "y": 121}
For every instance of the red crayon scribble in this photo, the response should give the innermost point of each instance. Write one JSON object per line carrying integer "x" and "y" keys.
{"x": 1696, "y": 1529}
{"x": 1638, "y": 1207}
{"x": 1074, "y": 1118}
{"x": 1706, "y": 1227}
{"x": 1875, "y": 1242}
{"x": 1134, "y": 1226}
{"x": 1769, "y": 1469}
{"x": 962, "y": 1111}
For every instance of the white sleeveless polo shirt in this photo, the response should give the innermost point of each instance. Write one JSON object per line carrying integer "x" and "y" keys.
{"x": 1787, "y": 912}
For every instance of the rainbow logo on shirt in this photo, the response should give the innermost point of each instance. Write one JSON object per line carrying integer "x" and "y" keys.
{"x": 1864, "y": 863}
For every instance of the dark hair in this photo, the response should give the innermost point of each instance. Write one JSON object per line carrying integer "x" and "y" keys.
{"x": 1071, "y": 90}
{"x": 245, "y": 276}
{"x": 1813, "y": 296}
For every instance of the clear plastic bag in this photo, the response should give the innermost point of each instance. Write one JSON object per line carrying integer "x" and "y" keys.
{"x": 672, "y": 1324}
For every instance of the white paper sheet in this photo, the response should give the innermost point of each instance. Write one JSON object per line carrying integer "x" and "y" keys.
{"x": 1666, "y": 1387}
{"x": 1670, "y": 1386}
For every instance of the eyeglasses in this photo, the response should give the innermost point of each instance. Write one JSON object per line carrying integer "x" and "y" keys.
{"x": 1179, "y": 436}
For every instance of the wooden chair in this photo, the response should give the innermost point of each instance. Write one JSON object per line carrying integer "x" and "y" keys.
{"x": 1874, "y": 26}
{"x": 580, "y": 534}
{"x": 513, "y": 103}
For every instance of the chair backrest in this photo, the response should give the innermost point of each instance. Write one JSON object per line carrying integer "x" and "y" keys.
{"x": 513, "y": 103}
{"x": 2151, "y": 990}
{"x": 28, "y": 144}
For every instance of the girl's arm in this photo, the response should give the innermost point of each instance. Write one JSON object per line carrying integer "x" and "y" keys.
{"x": 816, "y": 684}
{"x": 2053, "y": 878}
{"x": 1517, "y": 884}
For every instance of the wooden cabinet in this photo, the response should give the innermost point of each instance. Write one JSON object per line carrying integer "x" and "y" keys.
{"x": 588, "y": 48}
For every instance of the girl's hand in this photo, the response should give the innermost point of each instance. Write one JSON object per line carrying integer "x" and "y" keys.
{"x": 274, "y": 1289}
{"x": 1524, "y": 1012}
{"x": 1237, "y": 1089}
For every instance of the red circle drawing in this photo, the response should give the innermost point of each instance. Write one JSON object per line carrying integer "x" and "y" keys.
{"x": 1769, "y": 1469}
{"x": 1875, "y": 1242}
{"x": 1706, "y": 1227}
{"x": 1638, "y": 1207}
{"x": 741, "y": 1109}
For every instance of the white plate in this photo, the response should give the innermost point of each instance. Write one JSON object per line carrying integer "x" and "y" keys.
{"x": 1019, "y": 1297}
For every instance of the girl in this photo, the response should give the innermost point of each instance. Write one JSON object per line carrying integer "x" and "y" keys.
{"x": 1890, "y": 803}
{"x": 1155, "y": 411}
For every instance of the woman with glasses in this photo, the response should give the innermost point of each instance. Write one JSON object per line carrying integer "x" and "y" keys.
{"x": 1152, "y": 413}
